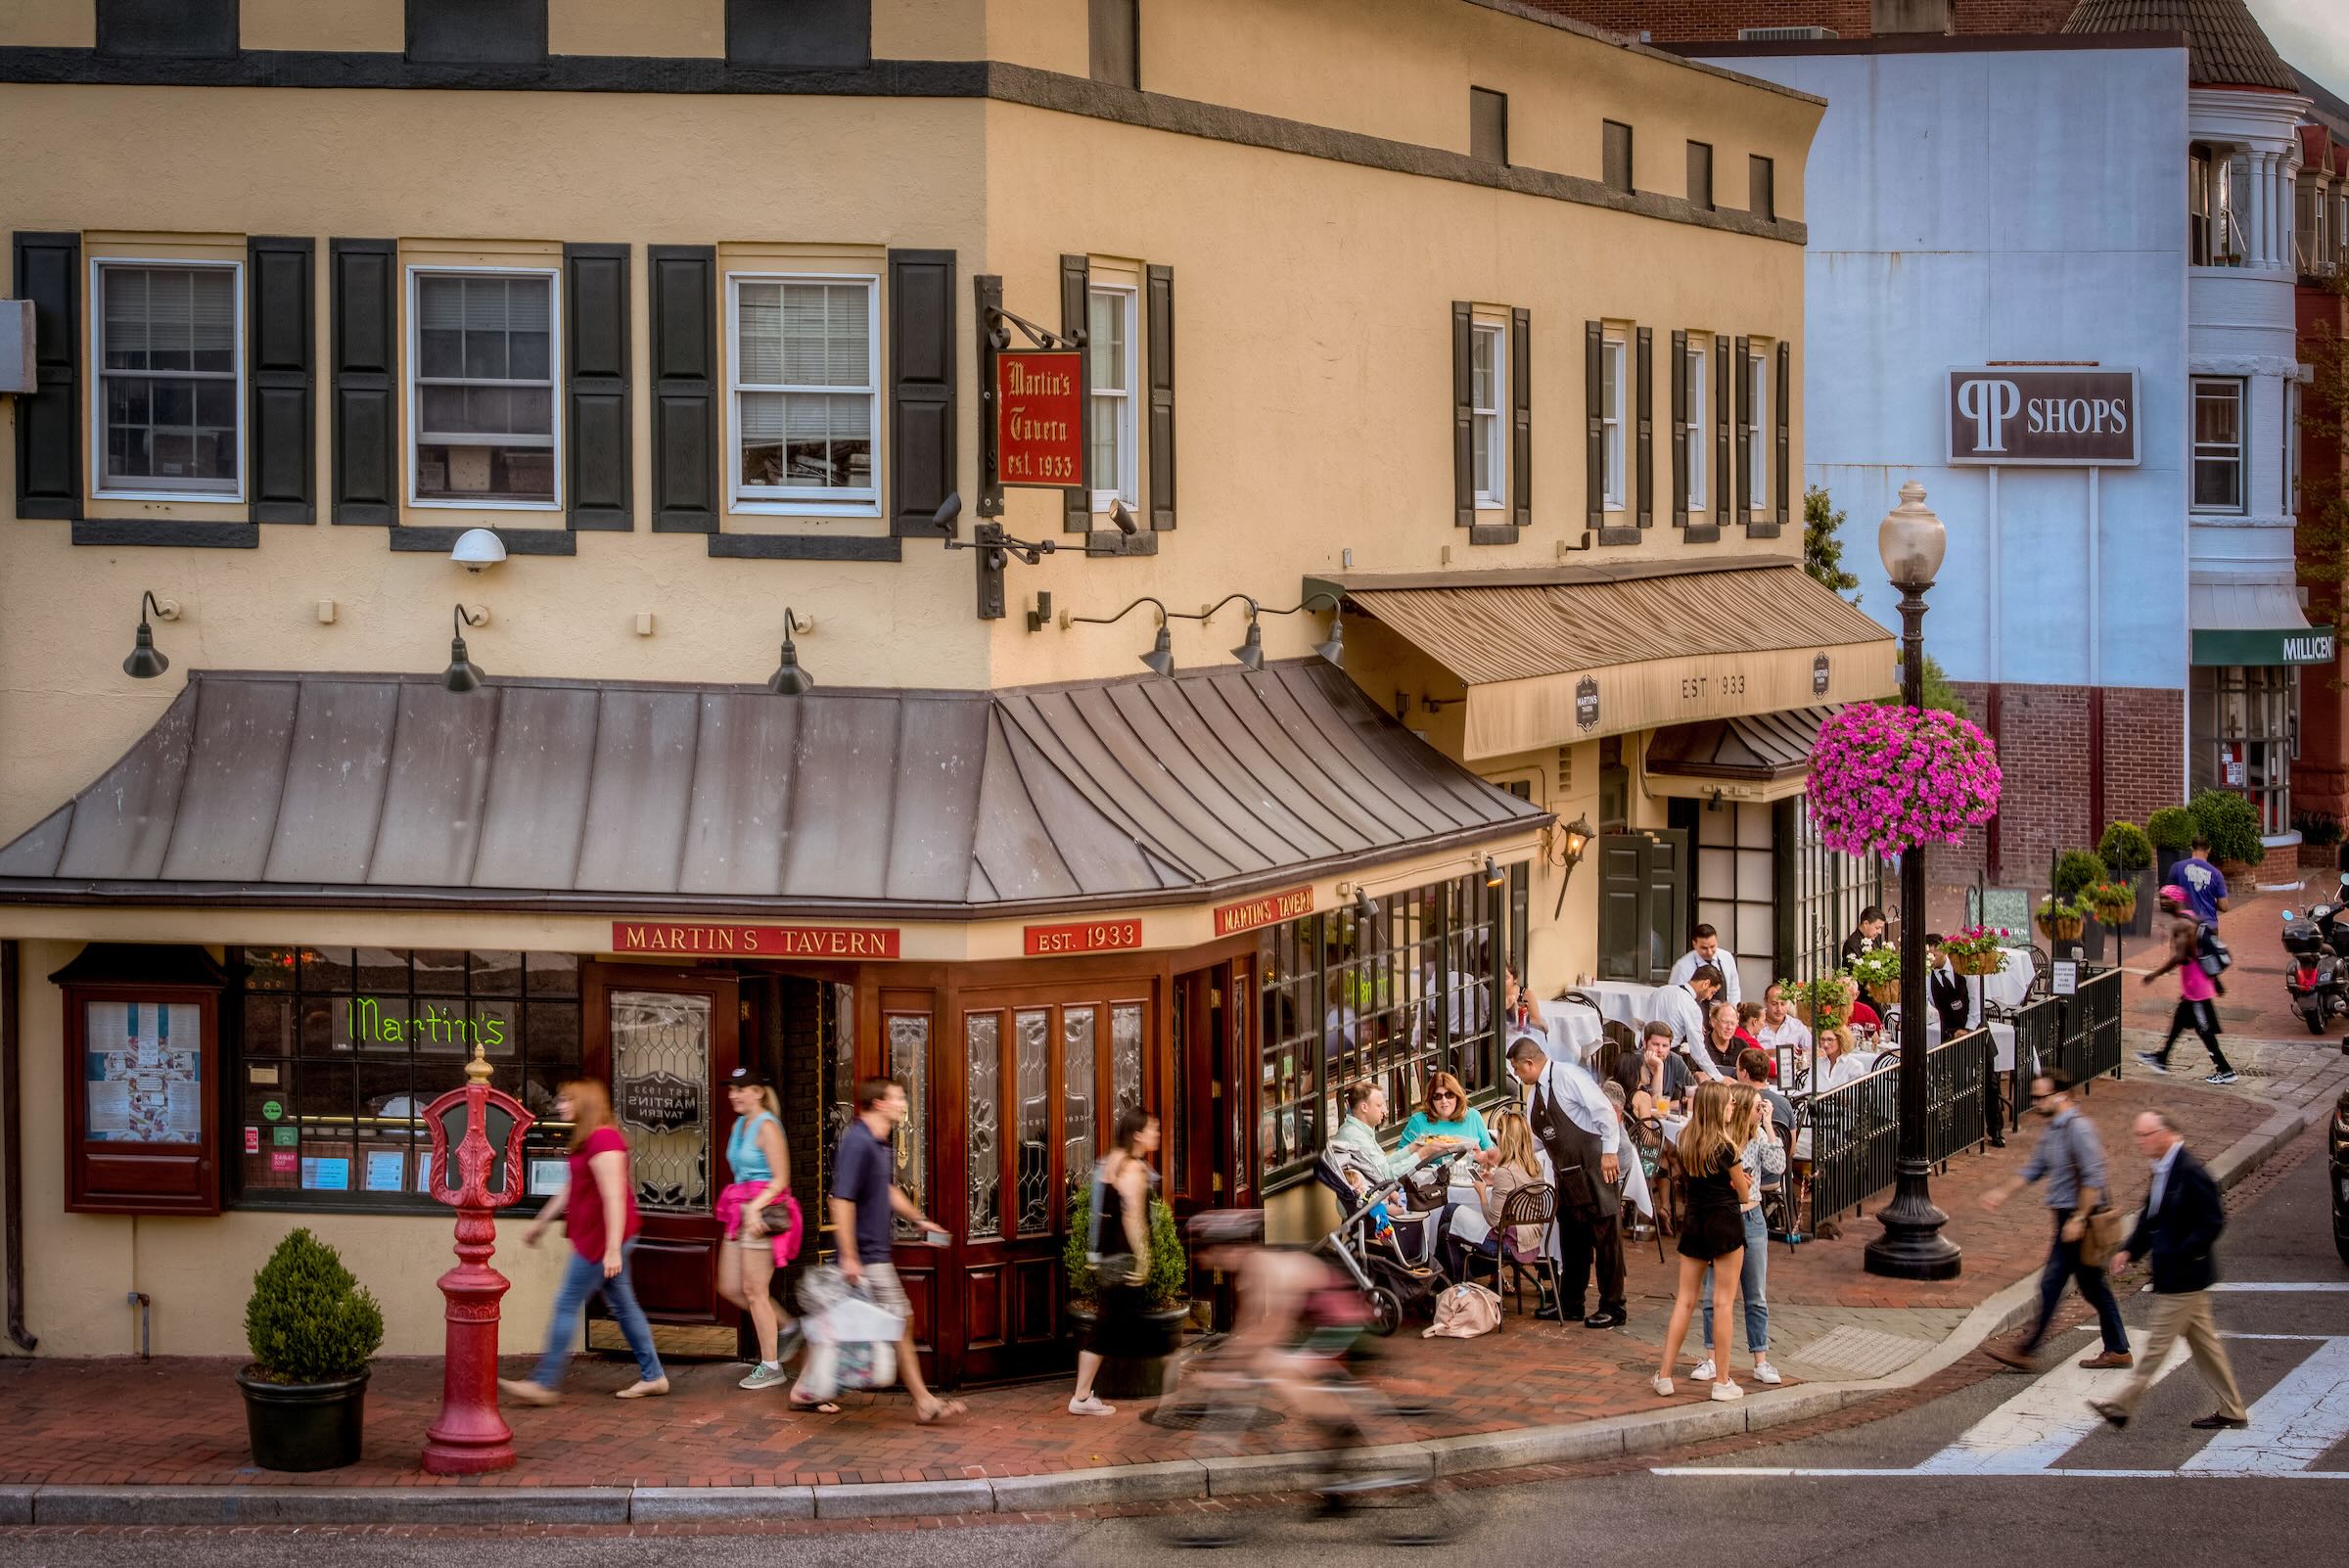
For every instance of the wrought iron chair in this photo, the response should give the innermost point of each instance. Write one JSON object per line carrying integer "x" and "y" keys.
{"x": 1534, "y": 1204}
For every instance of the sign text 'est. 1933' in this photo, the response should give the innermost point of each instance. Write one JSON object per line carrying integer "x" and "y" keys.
{"x": 1083, "y": 936}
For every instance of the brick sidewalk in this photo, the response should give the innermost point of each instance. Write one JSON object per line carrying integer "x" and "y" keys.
{"x": 180, "y": 1421}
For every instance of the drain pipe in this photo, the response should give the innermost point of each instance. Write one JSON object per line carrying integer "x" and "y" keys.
{"x": 12, "y": 1150}
{"x": 138, "y": 1298}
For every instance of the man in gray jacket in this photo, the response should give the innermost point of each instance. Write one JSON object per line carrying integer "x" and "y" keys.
{"x": 2072, "y": 1159}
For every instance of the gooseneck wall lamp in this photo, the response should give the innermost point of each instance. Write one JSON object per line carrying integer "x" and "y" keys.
{"x": 1331, "y": 648}
{"x": 147, "y": 661}
{"x": 789, "y": 680}
{"x": 463, "y": 673}
{"x": 1161, "y": 657}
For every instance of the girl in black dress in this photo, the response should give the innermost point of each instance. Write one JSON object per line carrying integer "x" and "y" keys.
{"x": 1715, "y": 1187}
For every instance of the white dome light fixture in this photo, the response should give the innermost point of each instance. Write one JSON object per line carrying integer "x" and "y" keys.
{"x": 477, "y": 548}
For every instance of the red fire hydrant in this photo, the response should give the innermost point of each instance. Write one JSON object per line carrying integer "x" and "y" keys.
{"x": 470, "y": 1436}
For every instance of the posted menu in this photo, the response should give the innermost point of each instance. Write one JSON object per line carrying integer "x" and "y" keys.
{"x": 140, "y": 1087}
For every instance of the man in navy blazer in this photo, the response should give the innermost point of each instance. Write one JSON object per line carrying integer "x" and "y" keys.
{"x": 2179, "y": 1228}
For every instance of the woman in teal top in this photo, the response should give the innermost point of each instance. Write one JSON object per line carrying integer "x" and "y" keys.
{"x": 1446, "y": 1113}
{"x": 761, "y": 1165}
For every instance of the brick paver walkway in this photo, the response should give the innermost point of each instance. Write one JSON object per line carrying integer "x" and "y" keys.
{"x": 180, "y": 1421}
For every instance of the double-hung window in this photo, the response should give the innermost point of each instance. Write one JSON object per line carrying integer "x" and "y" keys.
{"x": 1756, "y": 445}
{"x": 1488, "y": 365}
{"x": 1611, "y": 393}
{"x": 1109, "y": 352}
{"x": 1700, "y": 422}
{"x": 170, "y": 383}
{"x": 482, "y": 407}
{"x": 2218, "y": 444}
{"x": 806, "y": 374}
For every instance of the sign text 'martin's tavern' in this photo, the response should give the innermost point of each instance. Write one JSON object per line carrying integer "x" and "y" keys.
{"x": 755, "y": 941}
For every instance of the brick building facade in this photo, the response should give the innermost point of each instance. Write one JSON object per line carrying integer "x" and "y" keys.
{"x": 2075, "y": 758}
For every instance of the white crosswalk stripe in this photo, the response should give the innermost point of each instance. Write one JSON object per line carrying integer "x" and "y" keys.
{"x": 2037, "y": 1426}
{"x": 2292, "y": 1425}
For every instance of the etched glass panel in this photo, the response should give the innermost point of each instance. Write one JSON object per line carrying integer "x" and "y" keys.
{"x": 909, "y": 1065}
{"x": 661, "y": 1094}
{"x": 1078, "y": 1138}
{"x": 983, "y": 1049}
{"x": 1031, "y": 1066}
{"x": 1125, "y": 1058}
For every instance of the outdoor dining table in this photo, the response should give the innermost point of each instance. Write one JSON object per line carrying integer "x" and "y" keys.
{"x": 1626, "y": 1001}
{"x": 1575, "y": 1031}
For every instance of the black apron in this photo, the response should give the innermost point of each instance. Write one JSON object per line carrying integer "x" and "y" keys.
{"x": 1569, "y": 1148}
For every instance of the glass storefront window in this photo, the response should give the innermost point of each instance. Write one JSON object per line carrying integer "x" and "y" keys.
{"x": 2245, "y": 730}
{"x": 336, "y": 1051}
{"x": 1397, "y": 997}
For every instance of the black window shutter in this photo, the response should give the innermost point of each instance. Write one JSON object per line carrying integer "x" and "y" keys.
{"x": 600, "y": 492}
{"x": 1724, "y": 386}
{"x": 682, "y": 294}
{"x": 1076, "y": 283}
{"x": 1643, "y": 389}
{"x": 1595, "y": 445}
{"x": 921, "y": 387}
{"x": 1742, "y": 506}
{"x": 361, "y": 276}
{"x": 1520, "y": 418}
{"x": 1782, "y": 477}
{"x": 1159, "y": 342}
{"x": 1463, "y": 415}
{"x": 48, "y": 272}
{"x": 800, "y": 33}
{"x": 476, "y": 33}
{"x": 181, "y": 29}
{"x": 281, "y": 356}
{"x": 1680, "y": 429}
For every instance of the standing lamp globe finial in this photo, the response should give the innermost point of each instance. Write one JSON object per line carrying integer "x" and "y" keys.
{"x": 1912, "y": 541}
{"x": 463, "y": 673}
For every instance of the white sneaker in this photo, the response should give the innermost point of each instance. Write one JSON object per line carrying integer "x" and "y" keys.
{"x": 1704, "y": 1372}
{"x": 1662, "y": 1385}
{"x": 1763, "y": 1372}
{"x": 1727, "y": 1390}
{"x": 1090, "y": 1405}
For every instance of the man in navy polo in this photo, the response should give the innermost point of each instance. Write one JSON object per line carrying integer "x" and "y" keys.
{"x": 2205, "y": 884}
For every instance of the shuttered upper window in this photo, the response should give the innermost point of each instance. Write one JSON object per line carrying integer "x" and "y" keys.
{"x": 1611, "y": 390}
{"x": 1109, "y": 352}
{"x": 1488, "y": 377}
{"x": 1757, "y": 450}
{"x": 483, "y": 358}
{"x": 806, "y": 386}
{"x": 169, "y": 395}
{"x": 1701, "y": 420}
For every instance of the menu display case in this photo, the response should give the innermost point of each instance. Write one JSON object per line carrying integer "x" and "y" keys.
{"x": 142, "y": 1065}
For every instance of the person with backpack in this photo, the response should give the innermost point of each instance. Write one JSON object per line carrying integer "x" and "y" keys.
{"x": 2072, "y": 1159}
{"x": 2197, "y": 987}
{"x": 1118, "y": 1248}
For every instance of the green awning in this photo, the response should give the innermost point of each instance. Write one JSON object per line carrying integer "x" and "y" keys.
{"x": 2263, "y": 645}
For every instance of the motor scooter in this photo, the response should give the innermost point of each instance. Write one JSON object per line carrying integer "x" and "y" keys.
{"x": 2312, "y": 970}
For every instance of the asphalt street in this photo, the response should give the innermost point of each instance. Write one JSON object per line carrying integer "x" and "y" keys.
{"x": 2011, "y": 1468}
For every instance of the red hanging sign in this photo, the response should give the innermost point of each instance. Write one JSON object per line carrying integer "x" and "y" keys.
{"x": 1039, "y": 417}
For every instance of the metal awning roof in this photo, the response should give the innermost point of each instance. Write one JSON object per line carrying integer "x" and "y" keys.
{"x": 1573, "y": 652}
{"x": 1752, "y": 757}
{"x": 389, "y": 791}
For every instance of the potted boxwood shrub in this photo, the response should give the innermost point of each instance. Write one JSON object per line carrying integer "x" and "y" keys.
{"x": 2232, "y": 824}
{"x": 2172, "y": 830}
{"x": 1170, "y": 1285}
{"x": 312, "y": 1329}
{"x": 2128, "y": 854}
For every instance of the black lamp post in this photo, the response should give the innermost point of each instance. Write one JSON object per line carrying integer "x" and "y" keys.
{"x": 1912, "y": 540}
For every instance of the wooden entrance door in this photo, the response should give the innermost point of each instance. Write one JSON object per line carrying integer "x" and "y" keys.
{"x": 664, "y": 1040}
{"x": 1210, "y": 1153}
{"x": 1044, "y": 1075}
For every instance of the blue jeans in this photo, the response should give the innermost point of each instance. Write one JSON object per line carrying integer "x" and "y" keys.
{"x": 582, "y": 1277}
{"x": 2063, "y": 1262}
{"x": 1749, "y": 1285}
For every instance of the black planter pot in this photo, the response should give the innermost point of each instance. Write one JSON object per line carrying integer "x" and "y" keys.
{"x": 1136, "y": 1377}
{"x": 304, "y": 1426}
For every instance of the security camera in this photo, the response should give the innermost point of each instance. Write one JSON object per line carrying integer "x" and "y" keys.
{"x": 947, "y": 511}
{"x": 477, "y": 548}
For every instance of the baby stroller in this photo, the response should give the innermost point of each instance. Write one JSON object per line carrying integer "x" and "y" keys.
{"x": 1398, "y": 1276}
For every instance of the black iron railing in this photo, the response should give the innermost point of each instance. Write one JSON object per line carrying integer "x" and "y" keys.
{"x": 2089, "y": 1043}
{"x": 1854, "y": 1130}
{"x": 1957, "y": 1085}
{"x": 2038, "y": 1044}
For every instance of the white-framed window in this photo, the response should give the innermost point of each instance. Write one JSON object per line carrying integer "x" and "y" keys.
{"x": 2217, "y": 444}
{"x": 1113, "y": 371}
{"x": 806, "y": 391}
{"x": 1758, "y": 437}
{"x": 1488, "y": 374}
{"x": 167, "y": 343}
{"x": 483, "y": 363}
{"x": 1700, "y": 422}
{"x": 1612, "y": 390}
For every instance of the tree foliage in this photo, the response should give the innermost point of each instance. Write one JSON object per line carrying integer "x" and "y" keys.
{"x": 1822, "y": 549}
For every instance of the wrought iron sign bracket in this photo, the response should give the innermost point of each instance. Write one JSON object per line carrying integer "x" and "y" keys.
{"x": 996, "y": 327}
{"x": 995, "y": 549}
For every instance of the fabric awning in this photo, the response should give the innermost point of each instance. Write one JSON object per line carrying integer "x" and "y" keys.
{"x": 391, "y": 791}
{"x": 2253, "y": 624}
{"x": 1575, "y": 653}
{"x": 1754, "y": 756}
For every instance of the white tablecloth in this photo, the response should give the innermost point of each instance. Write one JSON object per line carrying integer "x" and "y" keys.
{"x": 1575, "y": 1031}
{"x": 1626, "y": 1001}
{"x": 2011, "y": 984}
{"x": 2002, "y": 1034}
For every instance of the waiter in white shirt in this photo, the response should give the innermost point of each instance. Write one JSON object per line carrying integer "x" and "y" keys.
{"x": 1705, "y": 948}
{"x": 1685, "y": 1005}
{"x": 1573, "y": 1122}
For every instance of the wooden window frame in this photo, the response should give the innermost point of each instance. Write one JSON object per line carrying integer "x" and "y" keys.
{"x": 151, "y": 488}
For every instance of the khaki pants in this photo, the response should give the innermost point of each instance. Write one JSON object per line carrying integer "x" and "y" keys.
{"x": 2185, "y": 1313}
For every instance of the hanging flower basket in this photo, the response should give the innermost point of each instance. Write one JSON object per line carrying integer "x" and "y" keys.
{"x": 1977, "y": 950}
{"x": 2061, "y": 921}
{"x": 2115, "y": 903}
{"x": 1885, "y": 779}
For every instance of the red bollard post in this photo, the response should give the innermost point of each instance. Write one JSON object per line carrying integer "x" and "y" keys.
{"x": 470, "y": 1436}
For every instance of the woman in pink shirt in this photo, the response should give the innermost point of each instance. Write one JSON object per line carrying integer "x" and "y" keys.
{"x": 2196, "y": 991}
{"x": 601, "y": 1200}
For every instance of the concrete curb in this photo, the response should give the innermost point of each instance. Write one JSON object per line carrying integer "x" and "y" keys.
{"x": 1164, "y": 1481}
